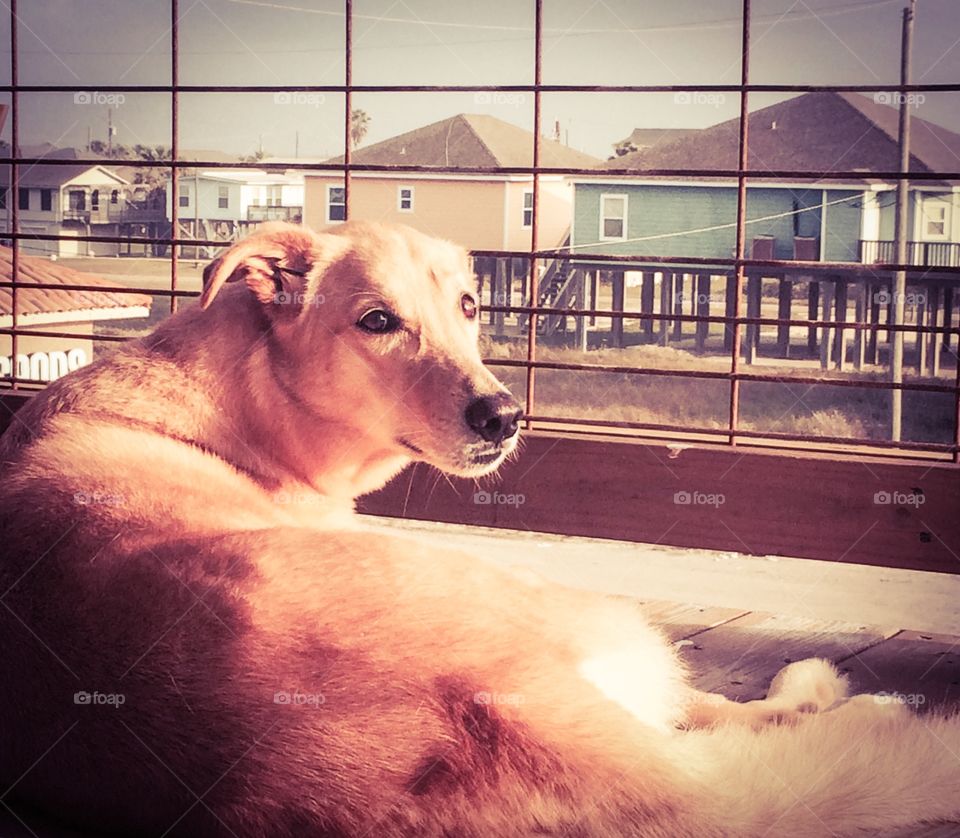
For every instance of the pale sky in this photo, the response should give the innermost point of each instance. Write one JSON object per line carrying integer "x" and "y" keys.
{"x": 278, "y": 42}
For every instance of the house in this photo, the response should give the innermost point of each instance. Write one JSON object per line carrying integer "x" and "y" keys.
{"x": 76, "y": 313}
{"x": 267, "y": 195}
{"x": 486, "y": 211}
{"x": 208, "y": 207}
{"x": 67, "y": 200}
{"x": 829, "y": 219}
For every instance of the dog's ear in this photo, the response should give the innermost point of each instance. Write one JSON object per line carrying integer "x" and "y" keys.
{"x": 275, "y": 263}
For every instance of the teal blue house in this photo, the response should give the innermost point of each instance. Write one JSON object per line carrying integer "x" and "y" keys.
{"x": 824, "y": 219}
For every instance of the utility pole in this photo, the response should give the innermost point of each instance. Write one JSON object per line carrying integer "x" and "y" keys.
{"x": 900, "y": 222}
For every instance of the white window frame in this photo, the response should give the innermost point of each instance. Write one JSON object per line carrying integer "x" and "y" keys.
{"x": 526, "y": 211}
{"x": 939, "y": 201}
{"x": 400, "y": 191}
{"x": 223, "y": 197}
{"x": 330, "y": 204}
{"x": 183, "y": 195}
{"x": 604, "y": 197}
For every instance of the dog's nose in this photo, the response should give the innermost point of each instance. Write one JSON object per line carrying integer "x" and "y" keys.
{"x": 495, "y": 418}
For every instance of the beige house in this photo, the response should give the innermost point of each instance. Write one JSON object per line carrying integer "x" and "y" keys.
{"x": 488, "y": 211}
{"x": 74, "y": 313}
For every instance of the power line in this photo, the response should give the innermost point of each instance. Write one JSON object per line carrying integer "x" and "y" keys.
{"x": 805, "y": 14}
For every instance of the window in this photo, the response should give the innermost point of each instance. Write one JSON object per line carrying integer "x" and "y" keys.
{"x": 115, "y": 196}
{"x": 336, "y": 203}
{"x": 935, "y": 218}
{"x": 95, "y": 200}
{"x": 274, "y": 194}
{"x": 46, "y": 200}
{"x": 23, "y": 198}
{"x": 184, "y": 196}
{"x": 223, "y": 197}
{"x": 3, "y": 197}
{"x": 528, "y": 208}
{"x": 613, "y": 217}
{"x": 405, "y": 199}
{"x": 77, "y": 200}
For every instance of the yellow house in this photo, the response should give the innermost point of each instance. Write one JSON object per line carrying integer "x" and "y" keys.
{"x": 487, "y": 211}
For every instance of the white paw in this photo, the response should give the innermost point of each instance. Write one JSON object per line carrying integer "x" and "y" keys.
{"x": 811, "y": 686}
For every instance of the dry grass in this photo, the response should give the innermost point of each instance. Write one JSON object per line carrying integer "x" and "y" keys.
{"x": 813, "y": 410}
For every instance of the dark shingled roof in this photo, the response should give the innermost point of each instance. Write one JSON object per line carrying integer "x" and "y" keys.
{"x": 816, "y": 132}
{"x": 469, "y": 140}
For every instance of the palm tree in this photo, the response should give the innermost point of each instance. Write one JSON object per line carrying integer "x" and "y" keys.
{"x": 359, "y": 123}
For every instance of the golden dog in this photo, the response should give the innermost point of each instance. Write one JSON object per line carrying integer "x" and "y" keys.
{"x": 199, "y": 638}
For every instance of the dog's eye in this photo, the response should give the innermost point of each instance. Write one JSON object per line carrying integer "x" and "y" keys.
{"x": 379, "y": 321}
{"x": 468, "y": 306}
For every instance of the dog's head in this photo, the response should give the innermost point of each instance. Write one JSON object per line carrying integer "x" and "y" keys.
{"x": 378, "y": 326}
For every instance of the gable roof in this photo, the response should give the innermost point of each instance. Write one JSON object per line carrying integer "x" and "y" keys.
{"x": 816, "y": 132}
{"x": 469, "y": 140}
{"x": 37, "y": 301}
{"x": 51, "y": 176}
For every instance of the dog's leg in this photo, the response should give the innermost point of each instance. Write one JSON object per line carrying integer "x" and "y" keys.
{"x": 808, "y": 686}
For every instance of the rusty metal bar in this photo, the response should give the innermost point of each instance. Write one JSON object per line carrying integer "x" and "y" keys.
{"x": 718, "y": 375}
{"x": 174, "y": 196}
{"x": 739, "y": 253}
{"x": 534, "y": 284}
{"x": 347, "y": 102}
{"x": 933, "y": 87}
{"x": 860, "y": 177}
{"x": 14, "y": 197}
{"x": 773, "y": 435}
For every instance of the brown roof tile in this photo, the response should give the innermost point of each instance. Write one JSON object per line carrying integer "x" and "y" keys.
{"x": 34, "y": 269}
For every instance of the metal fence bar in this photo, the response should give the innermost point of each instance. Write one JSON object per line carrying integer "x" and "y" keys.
{"x": 532, "y": 317}
{"x": 174, "y": 196}
{"x": 14, "y": 197}
{"x": 741, "y": 233}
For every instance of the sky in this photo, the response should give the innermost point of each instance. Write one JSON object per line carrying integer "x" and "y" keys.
{"x": 88, "y": 43}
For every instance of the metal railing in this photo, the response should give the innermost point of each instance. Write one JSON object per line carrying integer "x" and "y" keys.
{"x": 741, "y": 320}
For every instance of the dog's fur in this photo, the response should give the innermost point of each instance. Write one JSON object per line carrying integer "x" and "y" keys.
{"x": 177, "y": 530}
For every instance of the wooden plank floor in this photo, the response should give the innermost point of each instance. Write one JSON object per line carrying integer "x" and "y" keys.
{"x": 737, "y": 653}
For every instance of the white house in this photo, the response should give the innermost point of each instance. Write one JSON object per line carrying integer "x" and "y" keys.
{"x": 69, "y": 200}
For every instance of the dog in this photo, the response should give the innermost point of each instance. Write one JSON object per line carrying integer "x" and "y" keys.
{"x": 200, "y": 638}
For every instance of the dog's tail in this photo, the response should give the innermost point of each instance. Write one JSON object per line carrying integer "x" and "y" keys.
{"x": 868, "y": 764}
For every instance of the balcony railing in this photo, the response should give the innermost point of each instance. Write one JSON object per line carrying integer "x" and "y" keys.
{"x": 925, "y": 254}
{"x": 293, "y": 214}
